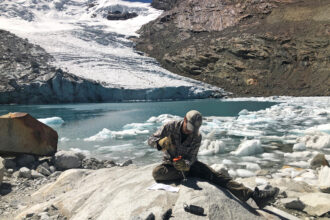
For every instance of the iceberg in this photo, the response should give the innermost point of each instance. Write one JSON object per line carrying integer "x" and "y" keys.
{"x": 248, "y": 147}
{"x": 51, "y": 120}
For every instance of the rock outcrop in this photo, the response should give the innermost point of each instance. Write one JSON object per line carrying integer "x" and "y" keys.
{"x": 21, "y": 133}
{"x": 164, "y": 4}
{"x": 259, "y": 48}
{"x": 117, "y": 15}
{"x": 121, "y": 193}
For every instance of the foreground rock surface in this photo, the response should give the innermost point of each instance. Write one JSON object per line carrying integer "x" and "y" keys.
{"x": 301, "y": 196}
{"x": 121, "y": 193}
{"x": 21, "y": 133}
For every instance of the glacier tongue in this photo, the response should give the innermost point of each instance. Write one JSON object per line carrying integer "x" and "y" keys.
{"x": 84, "y": 43}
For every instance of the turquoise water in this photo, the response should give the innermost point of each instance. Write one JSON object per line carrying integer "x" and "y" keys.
{"x": 85, "y": 120}
{"x": 267, "y": 130}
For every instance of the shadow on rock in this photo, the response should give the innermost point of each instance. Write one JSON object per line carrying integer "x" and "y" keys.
{"x": 5, "y": 189}
{"x": 191, "y": 183}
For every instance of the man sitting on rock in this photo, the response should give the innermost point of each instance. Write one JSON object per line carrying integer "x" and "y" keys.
{"x": 182, "y": 138}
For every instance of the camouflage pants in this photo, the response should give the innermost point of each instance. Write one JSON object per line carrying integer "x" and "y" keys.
{"x": 166, "y": 172}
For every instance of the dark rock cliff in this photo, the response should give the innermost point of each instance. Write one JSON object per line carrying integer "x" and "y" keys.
{"x": 250, "y": 47}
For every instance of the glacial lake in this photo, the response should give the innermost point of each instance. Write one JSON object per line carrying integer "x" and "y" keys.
{"x": 119, "y": 131}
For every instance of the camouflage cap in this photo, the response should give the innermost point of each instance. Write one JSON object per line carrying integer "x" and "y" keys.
{"x": 194, "y": 120}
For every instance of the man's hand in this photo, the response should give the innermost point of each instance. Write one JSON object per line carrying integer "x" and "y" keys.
{"x": 165, "y": 143}
{"x": 181, "y": 165}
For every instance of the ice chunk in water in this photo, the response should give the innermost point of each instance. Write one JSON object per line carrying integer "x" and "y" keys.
{"x": 64, "y": 139}
{"x": 244, "y": 173}
{"x": 248, "y": 147}
{"x": 317, "y": 141}
{"x": 218, "y": 167}
{"x": 211, "y": 147}
{"x": 227, "y": 162}
{"x": 302, "y": 164}
{"x": 101, "y": 136}
{"x": 243, "y": 112}
{"x": 232, "y": 173}
{"x": 252, "y": 166}
{"x": 299, "y": 147}
{"x": 325, "y": 128}
{"x": 261, "y": 181}
{"x": 51, "y": 121}
{"x": 106, "y": 134}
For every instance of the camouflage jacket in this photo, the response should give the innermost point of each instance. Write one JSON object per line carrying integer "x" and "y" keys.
{"x": 188, "y": 149}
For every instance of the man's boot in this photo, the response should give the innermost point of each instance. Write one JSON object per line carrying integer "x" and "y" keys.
{"x": 263, "y": 197}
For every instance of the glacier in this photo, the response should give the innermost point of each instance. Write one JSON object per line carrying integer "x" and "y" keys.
{"x": 84, "y": 43}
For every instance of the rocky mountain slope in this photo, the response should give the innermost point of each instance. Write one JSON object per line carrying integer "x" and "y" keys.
{"x": 250, "y": 48}
{"x": 27, "y": 76}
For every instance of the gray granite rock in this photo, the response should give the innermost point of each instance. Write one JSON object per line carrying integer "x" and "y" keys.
{"x": 36, "y": 175}
{"x": 25, "y": 172}
{"x": 41, "y": 169}
{"x": 52, "y": 169}
{"x": 67, "y": 160}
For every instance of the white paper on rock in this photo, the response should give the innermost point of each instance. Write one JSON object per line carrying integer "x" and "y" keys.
{"x": 324, "y": 177}
{"x": 161, "y": 186}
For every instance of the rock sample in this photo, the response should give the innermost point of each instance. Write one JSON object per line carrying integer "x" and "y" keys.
{"x": 248, "y": 47}
{"x": 24, "y": 172}
{"x": 21, "y": 133}
{"x": 2, "y": 169}
{"x": 121, "y": 192}
{"x": 117, "y": 15}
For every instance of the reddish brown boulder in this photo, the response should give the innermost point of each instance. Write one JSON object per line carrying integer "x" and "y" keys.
{"x": 21, "y": 133}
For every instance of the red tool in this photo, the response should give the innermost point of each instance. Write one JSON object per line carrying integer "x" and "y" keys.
{"x": 176, "y": 160}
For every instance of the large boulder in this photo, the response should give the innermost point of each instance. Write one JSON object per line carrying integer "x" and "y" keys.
{"x": 2, "y": 169}
{"x": 122, "y": 193}
{"x": 21, "y": 133}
